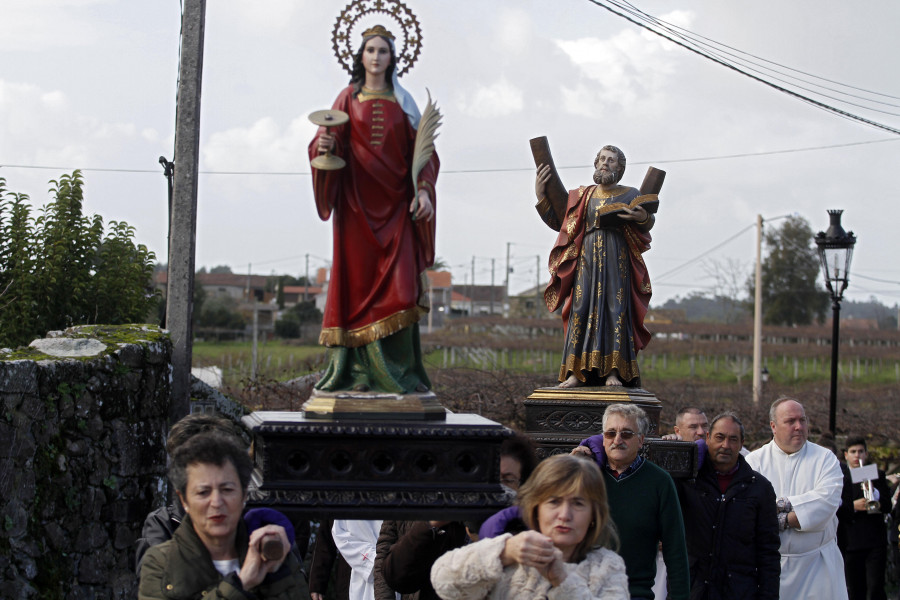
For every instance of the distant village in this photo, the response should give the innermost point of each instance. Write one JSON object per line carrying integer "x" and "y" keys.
{"x": 450, "y": 302}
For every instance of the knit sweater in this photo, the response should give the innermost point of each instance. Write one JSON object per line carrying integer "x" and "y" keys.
{"x": 644, "y": 506}
{"x": 475, "y": 571}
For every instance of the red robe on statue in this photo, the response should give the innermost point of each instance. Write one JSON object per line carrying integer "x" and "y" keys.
{"x": 380, "y": 253}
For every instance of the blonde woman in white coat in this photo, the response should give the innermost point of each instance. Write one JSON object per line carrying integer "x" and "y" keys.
{"x": 566, "y": 554}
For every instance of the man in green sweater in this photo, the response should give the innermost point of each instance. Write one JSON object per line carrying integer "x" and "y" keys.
{"x": 643, "y": 503}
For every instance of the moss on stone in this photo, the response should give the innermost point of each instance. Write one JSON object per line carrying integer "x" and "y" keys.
{"x": 114, "y": 336}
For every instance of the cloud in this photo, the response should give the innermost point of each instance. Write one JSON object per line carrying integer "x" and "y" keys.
{"x": 274, "y": 17}
{"x": 36, "y": 114}
{"x": 40, "y": 128}
{"x": 627, "y": 71}
{"x": 38, "y": 25}
{"x": 263, "y": 146}
{"x": 515, "y": 28}
{"x": 496, "y": 100}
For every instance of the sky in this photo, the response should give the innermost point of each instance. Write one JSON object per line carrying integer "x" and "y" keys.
{"x": 91, "y": 84}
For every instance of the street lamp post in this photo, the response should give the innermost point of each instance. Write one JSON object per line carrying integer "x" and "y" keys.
{"x": 835, "y": 251}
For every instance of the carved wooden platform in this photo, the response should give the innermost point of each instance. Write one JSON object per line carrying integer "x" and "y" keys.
{"x": 557, "y": 419}
{"x": 364, "y": 469}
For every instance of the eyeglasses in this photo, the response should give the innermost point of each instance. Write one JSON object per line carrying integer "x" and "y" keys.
{"x": 626, "y": 434}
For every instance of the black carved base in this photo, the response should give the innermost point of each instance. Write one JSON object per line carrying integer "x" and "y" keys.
{"x": 409, "y": 470}
{"x": 557, "y": 419}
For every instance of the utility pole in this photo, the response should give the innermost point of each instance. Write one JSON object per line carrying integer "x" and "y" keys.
{"x": 506, "y": 284}
{"x": 183, "y": 225}
{"x": 472, "y": 291}
{"x": 757, "y": 316}
{"x": 492, "y": 287}
{"x": 306, "y": 291}
{"x": 254, "y": 363}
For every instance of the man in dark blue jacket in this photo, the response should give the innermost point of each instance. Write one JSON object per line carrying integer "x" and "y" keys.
{"x": 730, "y": 521}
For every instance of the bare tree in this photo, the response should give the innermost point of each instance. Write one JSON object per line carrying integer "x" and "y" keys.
{"x": 730, "y": 285}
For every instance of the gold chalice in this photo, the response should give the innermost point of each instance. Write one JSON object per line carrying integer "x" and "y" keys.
{"x": 328, "y": 119}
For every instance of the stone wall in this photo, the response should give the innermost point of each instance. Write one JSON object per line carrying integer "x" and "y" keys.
{"x": 83, "y": 419}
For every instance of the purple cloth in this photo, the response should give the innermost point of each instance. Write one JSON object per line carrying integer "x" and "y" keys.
{"x": 258, "y": 517}
{"x": 595, "y": 444}
{"x": 496, "y": 524}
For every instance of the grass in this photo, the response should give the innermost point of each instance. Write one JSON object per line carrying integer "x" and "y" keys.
{"x": 280, "y": 361}
{"x": 783, "y": 368}
{"x": 276, "y": 360}
{"x": 664, "y": 366}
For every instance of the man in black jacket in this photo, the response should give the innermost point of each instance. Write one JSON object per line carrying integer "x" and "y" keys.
{"x": 863, "y": 535}
{"x": 730, "y": 521}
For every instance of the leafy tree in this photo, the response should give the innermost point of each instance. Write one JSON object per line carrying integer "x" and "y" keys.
{"x": 290, "y": 325}
{"x": 439, "y": 265}
{"x": 17, "y": 262}
{"x": 790, "y": 292}
{"x": 220, "y": 311}
{"x": 124, "y": 275}
{"x": 220, "y": 269}
{"x": 67, "y": 240}
{"x": 59, "y": 270}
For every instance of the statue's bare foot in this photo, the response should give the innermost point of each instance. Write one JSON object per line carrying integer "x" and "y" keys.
{"x": 613, "y": 380}
{"x": 571, "y": 382}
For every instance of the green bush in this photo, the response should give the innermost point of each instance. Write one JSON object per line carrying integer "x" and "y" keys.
{"x": 59, "y": 269}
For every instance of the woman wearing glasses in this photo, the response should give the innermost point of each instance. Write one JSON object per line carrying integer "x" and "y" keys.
{"x": 565, "y": 554}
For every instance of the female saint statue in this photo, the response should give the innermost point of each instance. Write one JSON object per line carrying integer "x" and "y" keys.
{"x": 384, "y": 225}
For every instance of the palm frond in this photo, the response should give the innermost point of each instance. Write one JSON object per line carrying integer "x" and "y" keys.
{"x": 427, "y": 133}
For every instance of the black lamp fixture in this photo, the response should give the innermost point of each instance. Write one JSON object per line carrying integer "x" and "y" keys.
{"x": 835, "y": 252}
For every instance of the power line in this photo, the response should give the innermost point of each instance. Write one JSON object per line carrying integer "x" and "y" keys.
{"x": 826, "y": 107}
{"x": 852, "y": 274}
{"x": 690, "y": 33}
{"x": 740, "y": 55}
{"x": 693, "y": 260}
{"x": 464, "y": 171}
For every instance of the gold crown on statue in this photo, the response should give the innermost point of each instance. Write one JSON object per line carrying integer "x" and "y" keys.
{"x": 378, "y": 30}
{"x": 408, "y": 42}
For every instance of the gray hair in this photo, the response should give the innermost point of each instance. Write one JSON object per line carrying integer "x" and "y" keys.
{"x": 214, "y": 448}
{"x": 778, "y": 403}
{"x": 629, "y": 411}
{"x": 688, "y": 410}
{"x": 728, "y": 415}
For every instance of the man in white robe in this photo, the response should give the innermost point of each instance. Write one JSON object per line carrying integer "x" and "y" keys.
{"x": 808, "y": 483}
{"x": 356, "y": 540}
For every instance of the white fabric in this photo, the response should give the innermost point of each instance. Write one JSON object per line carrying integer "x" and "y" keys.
{"x": 660, "y": 585}
{"x": 355, "y": 540}
{"x": 224, "y": 567}
{"x": 406, "y": 101}
{"x": 811, "y": 478}
{"x": 475, "y": 571}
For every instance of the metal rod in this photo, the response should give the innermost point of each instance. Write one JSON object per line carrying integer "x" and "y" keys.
{"x": 835, "y": 343}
